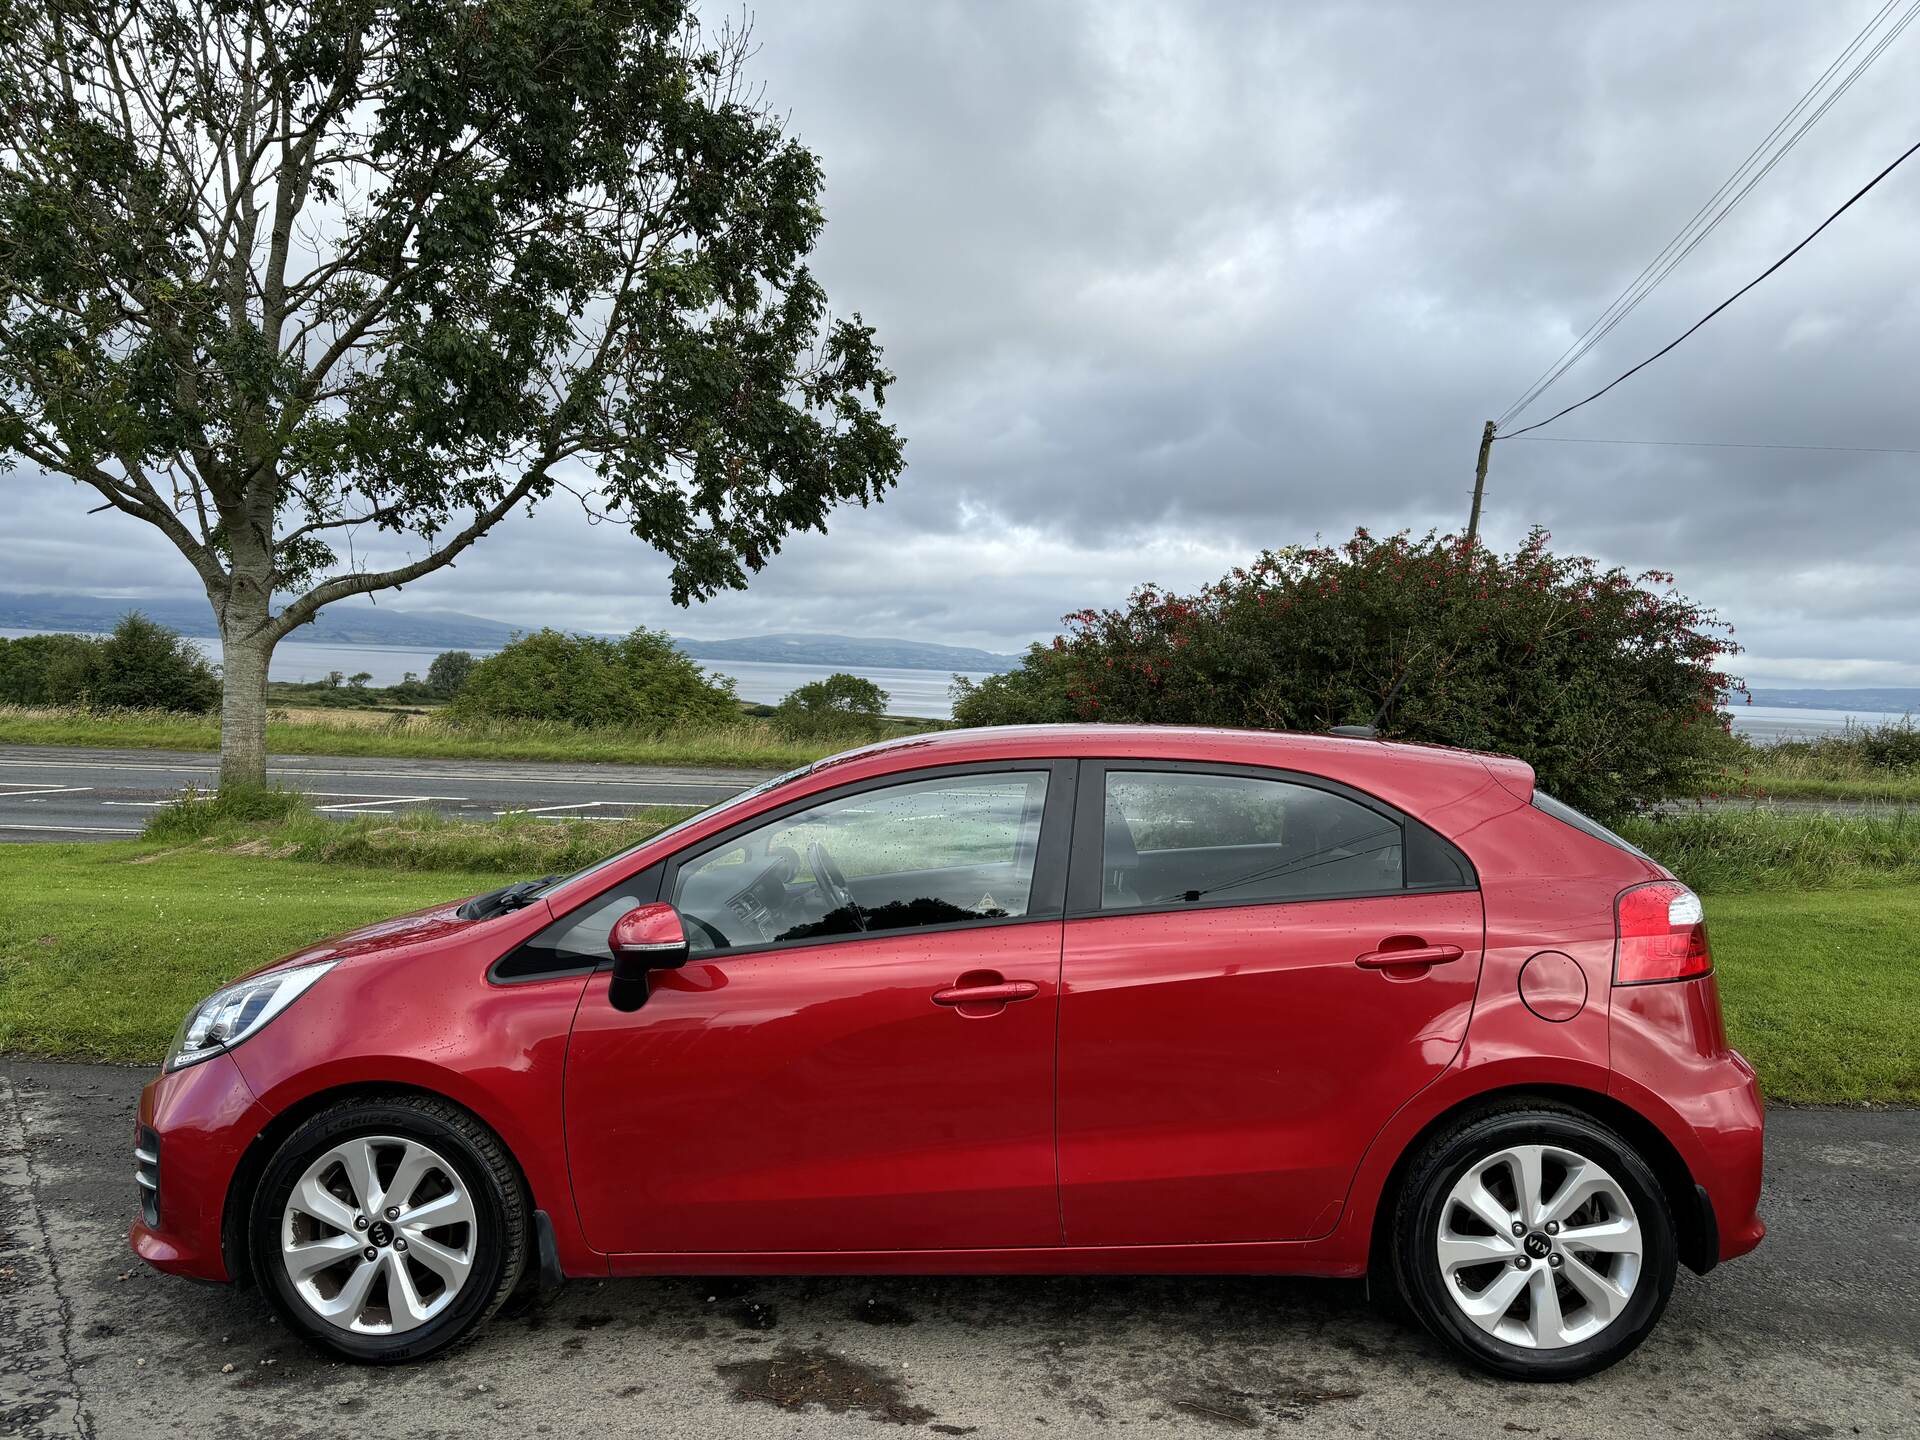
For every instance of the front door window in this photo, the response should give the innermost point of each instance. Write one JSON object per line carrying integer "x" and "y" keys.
{"x": 934, "y": 852}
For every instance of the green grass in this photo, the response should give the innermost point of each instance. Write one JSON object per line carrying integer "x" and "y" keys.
{"x": 103, "y": 947}
{"x": 1822, "y": 991}
{"x": 1875, "y": 762}
{"x": 748, "y": 743}
{"x": 1743, "y": 849}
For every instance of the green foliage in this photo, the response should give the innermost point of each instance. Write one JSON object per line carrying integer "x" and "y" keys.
{"x": 841, "y": 706}
{"x": 200, "y": 813}
{"x": 639, "y": 681}
{"x": 1607, "y": 685}
{"x": 141, "y": 665}
{"x": 47, "y": 669}
{"x": 448, "y": 672}
{"x": 1720, "y": 851}
{"x": 276, "y": 271}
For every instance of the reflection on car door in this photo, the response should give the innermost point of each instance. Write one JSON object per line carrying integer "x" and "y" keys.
{"x": 1224, "y": 1065}
{"x": 885, "y": 1089}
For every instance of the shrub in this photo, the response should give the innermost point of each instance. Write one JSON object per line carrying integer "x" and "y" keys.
{"x": 46, "y": 669}
{"x": 637, "y": 682}
{"x": 1606, "y": 684}
{"x": 841, "y": 704}
{"x": 142, "y": 665}
{"x": 448, "y": 672}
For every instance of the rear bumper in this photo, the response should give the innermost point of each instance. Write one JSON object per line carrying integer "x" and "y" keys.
{"x": 202, "y": 1118}
{"x": 1734, "y": 1150}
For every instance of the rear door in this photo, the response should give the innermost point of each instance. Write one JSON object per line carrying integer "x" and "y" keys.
{"x": 1259, "y": 968}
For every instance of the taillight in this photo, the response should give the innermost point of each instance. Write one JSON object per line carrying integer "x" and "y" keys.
{"x": 1662, "y": 935}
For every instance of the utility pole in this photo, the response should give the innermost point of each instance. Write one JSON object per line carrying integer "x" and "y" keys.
{"x": 1479, "y": 484}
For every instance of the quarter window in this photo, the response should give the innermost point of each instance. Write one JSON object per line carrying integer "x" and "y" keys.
{"x": 1180, "y": 838}
{"x": 930, "y": 852}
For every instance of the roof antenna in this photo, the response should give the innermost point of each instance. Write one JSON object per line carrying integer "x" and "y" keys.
{"x": 1371, "y": 731}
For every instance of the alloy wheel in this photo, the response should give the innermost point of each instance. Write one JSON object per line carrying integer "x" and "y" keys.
{"x": 1539, "y": 1246}
{"x": 378, "y": 1235}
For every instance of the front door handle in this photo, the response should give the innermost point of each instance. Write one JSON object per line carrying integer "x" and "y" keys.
{"x": 996, "y": 993}
{"x": 1418, "y": 956}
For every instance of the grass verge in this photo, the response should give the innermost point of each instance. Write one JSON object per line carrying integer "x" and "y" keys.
{"x": 1821, "y": 991}
{"x": 746, "y": 744}
{"x": 1746, "y": 849}
{"x": 103, "y": 947}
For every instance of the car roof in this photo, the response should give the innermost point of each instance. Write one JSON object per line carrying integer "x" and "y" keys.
{"x": 1336, "y": 756}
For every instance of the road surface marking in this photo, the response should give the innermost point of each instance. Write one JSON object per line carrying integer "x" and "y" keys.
{"x": 365, "y": 806}
{"x": 74, "y": 829}
{"x": 543, "y": 809}
{"x": 42, "y": 790}
{"x": 731, "y": 786}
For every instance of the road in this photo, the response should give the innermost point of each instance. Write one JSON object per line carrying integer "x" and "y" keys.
{"x": 49, "y": 793}
{"x": 1817, "y": 1335}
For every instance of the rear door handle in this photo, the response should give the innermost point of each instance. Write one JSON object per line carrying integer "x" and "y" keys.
{"x": 1422, "y": 955}
{"x": 996, "y": 994}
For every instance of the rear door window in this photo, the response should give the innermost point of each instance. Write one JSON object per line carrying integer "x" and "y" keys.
{"x": 1174, "y": 838}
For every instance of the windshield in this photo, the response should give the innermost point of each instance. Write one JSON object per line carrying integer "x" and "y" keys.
{"x": 674, "y": 829}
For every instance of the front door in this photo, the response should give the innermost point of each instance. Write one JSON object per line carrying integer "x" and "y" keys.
{"x": 860, "y": 1054}
{"x": 1234, "y": 1030}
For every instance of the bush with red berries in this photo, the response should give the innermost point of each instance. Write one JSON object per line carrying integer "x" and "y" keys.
{"x": 1609, "y": 685}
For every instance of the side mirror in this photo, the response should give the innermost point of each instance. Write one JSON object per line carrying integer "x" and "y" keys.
{"x": 645, "y": 939}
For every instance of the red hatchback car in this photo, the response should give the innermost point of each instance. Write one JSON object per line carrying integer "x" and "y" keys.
{"x": 1039, "y": 1000}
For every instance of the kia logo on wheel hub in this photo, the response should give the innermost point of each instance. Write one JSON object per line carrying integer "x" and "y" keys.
{"x": 1537, "y": 1245}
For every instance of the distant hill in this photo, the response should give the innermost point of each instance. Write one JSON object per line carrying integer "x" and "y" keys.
{"x": 343, "y": 624}
{"x": 349, "y": 623}
{"x": 1891, "y": 700}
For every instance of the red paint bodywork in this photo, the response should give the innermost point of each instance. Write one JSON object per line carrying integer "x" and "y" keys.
{"x": 1219, "y": 1089}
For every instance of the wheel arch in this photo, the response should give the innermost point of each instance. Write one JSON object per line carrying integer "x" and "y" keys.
{"x": 1692, "y": 1212}
{"x": 237, "y": 1253}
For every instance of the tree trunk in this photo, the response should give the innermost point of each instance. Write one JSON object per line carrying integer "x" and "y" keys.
{"x": 245, "y": 653}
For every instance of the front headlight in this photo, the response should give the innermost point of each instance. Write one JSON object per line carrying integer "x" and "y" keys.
{"x": 228, "y": 1016}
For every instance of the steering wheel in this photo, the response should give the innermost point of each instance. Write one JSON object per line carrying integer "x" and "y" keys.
{"x": 831, "y": 881}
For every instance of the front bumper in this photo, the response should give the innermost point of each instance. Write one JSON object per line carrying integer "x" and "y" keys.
{"x": 195, "y": 1124}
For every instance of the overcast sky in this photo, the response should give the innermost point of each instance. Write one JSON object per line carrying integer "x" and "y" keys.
{"x": 1166, "y": 284}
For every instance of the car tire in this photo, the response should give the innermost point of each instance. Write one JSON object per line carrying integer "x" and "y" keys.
{"x": 388, "y": 1228}
{"x": 1589, "y": 1291}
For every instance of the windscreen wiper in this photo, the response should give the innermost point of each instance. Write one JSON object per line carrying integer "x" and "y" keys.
{"x": 508, "y": 897}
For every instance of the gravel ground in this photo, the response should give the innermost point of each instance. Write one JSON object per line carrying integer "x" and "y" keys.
{"x": 1814, "y": 1336}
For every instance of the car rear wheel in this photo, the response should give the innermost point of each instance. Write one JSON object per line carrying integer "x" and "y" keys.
{"x": 1536, "y": 1242}
{"x": 387, "y": 1229}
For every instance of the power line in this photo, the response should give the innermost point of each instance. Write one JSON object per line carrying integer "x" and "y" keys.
{"x": 1719, "y": 444}
{"x": 1685, "y": 241}
{"x": 1672, "y": 344}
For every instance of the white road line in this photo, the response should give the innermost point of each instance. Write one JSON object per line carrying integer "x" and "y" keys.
{"x": 365, "y": 807}
{"x": 42, "y": 790}
{"x": 544, "y": 809}
{"x": 74, "y": 829}
{"x": 730, "y": 786}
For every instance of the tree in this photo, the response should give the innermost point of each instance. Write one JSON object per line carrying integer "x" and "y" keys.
{"x": 142, "y": 665}
{"x": 841, "y": 704}
{"x": 449, "y": 672}
{"x": 637, "y": 682}
{"x": 278, "y": 275}
{"x": 360, "y": 679}
{"x": 1608, "y": 685}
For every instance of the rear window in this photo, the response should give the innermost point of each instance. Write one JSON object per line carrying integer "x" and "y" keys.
{"x": 1567, "y": 815}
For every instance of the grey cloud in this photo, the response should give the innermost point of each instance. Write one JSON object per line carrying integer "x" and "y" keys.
{"x": 1165, "y": 285}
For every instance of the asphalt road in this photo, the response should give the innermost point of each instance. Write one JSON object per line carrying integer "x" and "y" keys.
{"x": 49, "y": 793}
{"x": 1814, "y": 1336}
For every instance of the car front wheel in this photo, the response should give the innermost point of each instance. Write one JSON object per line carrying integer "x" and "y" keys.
{"x": 1536, "y": 1242}
{"x": 387, "y": 1229}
